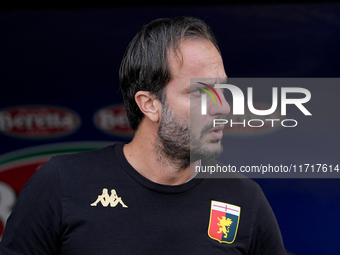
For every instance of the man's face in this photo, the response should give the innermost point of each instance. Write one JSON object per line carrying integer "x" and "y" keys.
{"x": 186, "y": 133}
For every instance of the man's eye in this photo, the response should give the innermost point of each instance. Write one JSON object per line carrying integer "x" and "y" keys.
{"x": 200, "y": 91}
{"x": 196, "y": 92}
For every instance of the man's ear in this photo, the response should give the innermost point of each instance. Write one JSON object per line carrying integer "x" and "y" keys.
{"x": 149, "y": 105}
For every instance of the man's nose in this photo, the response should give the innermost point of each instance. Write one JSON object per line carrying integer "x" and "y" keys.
{"x": 221, "y": 108}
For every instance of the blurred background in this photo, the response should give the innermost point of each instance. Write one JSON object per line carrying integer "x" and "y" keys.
{"x": 59, "y": 93}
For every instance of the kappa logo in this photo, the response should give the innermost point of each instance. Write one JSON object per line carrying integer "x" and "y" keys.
{"x": 223, "y": 223}
{"x": 105, "y": 199}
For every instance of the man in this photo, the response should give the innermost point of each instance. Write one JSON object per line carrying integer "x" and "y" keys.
{"x": 165, "y": 210}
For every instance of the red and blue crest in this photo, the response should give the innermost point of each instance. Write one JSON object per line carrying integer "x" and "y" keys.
{"x": 224, "y": 220}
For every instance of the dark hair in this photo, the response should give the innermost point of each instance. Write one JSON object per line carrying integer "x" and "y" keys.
{"x": 145, "y": 64}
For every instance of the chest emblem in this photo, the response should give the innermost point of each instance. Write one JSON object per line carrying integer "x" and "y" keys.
{"x": 223, "y": 223}
{"x": 105, "y": 199}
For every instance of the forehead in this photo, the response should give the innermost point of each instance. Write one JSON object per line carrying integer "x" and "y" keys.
{"x": 196, "y": 59}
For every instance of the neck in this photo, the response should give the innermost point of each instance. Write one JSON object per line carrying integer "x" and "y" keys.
{"x": 145, "y": 155}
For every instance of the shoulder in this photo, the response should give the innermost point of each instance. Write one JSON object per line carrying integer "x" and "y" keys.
{"x": 85, "y": 161}
{"x": 93, "y": 156}
{"x": 69, "y": 169}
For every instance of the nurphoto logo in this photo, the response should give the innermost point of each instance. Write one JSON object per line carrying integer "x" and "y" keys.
{"x": 238, "y": 105}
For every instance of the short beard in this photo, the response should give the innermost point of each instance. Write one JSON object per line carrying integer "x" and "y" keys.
{"x": 177, "y": 145}
{"x": 173, "y": 142}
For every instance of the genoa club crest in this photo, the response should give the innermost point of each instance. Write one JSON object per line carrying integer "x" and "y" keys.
{"x": 224, "y": 219}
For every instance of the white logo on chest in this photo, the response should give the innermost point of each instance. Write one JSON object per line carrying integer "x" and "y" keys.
{"x": 105, "y": 199}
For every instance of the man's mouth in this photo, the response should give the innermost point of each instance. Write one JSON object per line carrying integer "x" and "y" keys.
{"x": 217, "y": 132}
{"x": 217, "y": 128}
